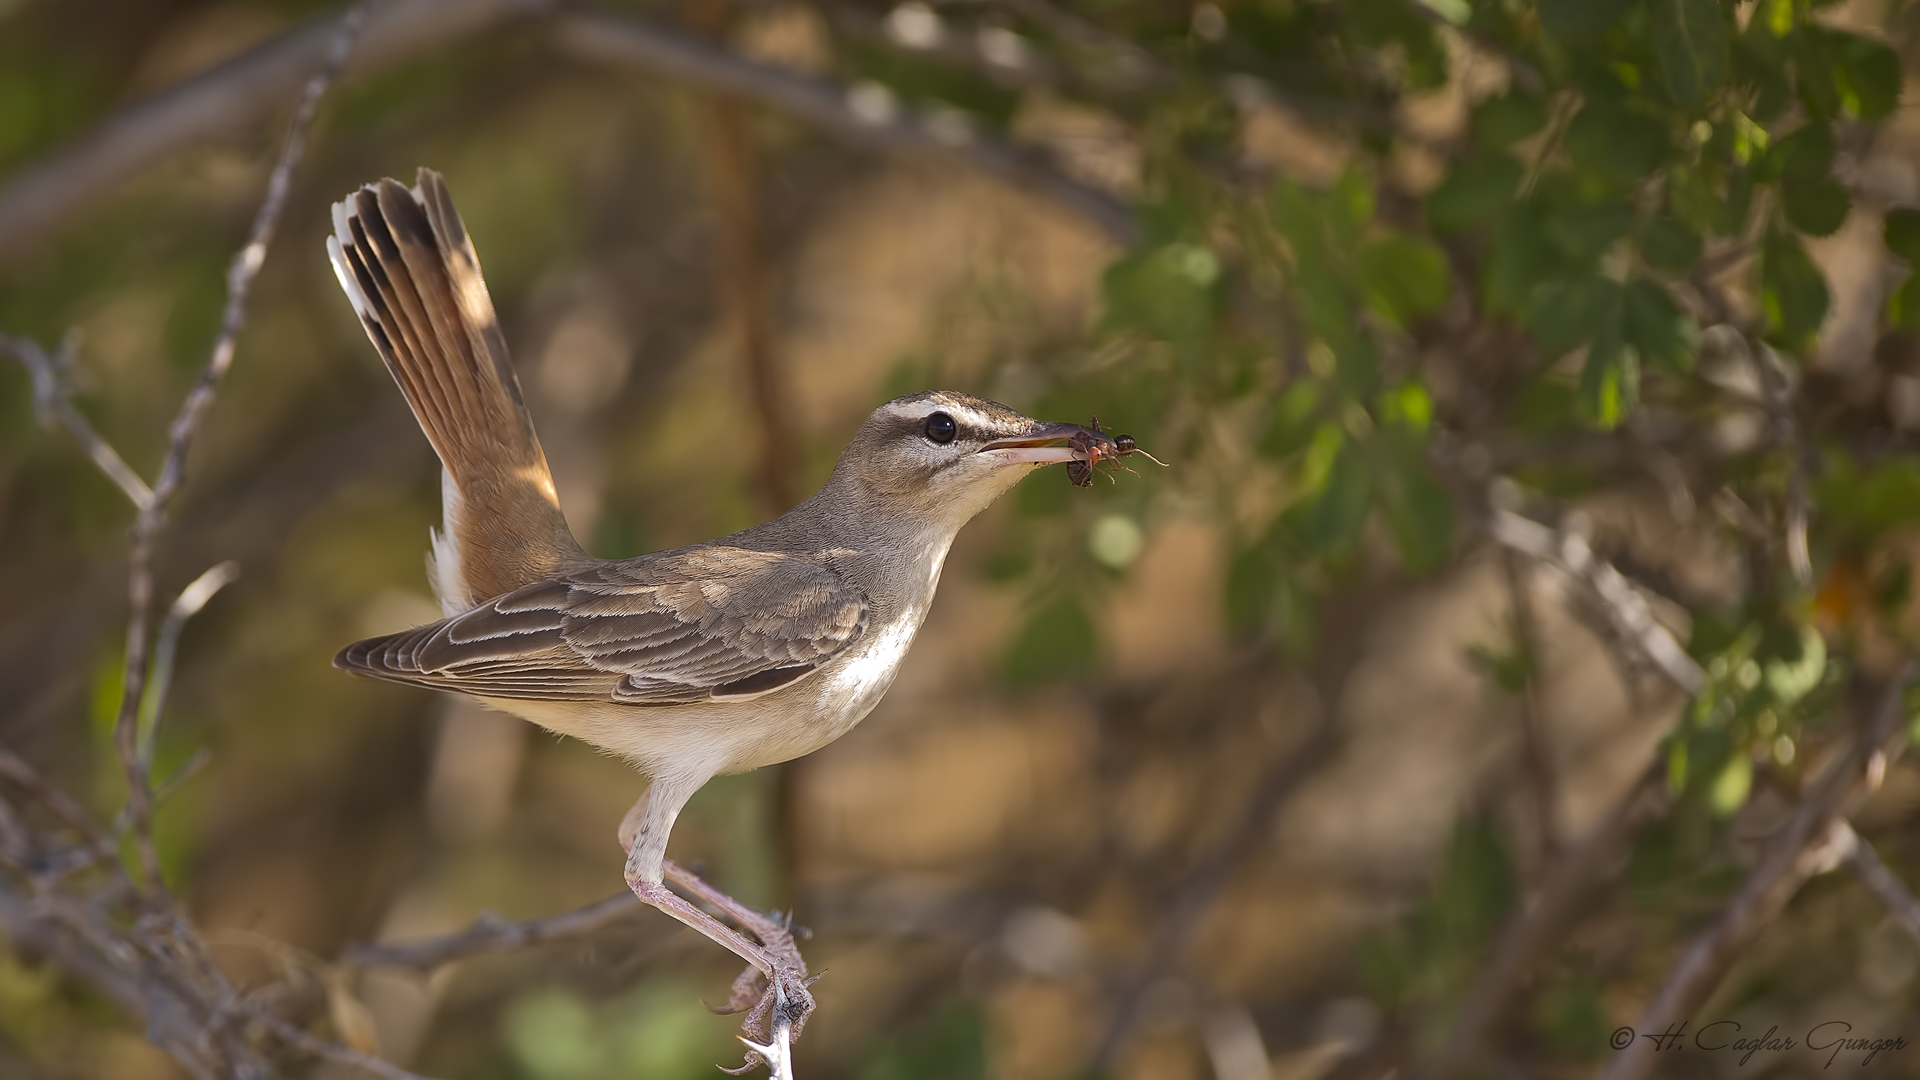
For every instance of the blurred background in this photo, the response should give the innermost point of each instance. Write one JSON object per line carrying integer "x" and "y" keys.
{"x": 1239, "y": 768}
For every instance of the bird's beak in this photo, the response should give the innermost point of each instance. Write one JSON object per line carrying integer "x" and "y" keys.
{"x": 1040, "y": 444}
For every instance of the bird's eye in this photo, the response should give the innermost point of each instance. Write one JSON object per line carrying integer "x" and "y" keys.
{"x": 941, "y": 428}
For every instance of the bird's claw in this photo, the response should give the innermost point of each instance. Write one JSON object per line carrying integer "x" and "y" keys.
{"x": 785, "y": 1003}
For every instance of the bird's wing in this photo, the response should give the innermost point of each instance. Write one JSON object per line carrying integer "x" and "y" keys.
{"x": 697, "y": 624}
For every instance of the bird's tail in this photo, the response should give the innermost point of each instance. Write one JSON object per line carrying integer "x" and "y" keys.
{"x": 405, "y": 262}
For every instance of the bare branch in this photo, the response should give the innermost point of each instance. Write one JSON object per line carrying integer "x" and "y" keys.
{"x": 185, "y": 606}
{"x": 333, "y": 1051}
{"x": 490, "y": 933}
{"x": 1814, "y": 840}
{"x": 229, "y": 99}
{"x": 1866, "y": 866}
{"x": 865, "y": 116}
{"x": 52, "y": 401}
{"x": 1626, "y": 611}
{"x": 1536, "y": 751}
{"x": 1198, "y": 892}
{"x": 152, "y": 517}
{"x": 1544, "y": 922}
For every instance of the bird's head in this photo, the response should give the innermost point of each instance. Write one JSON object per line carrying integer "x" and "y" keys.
{"x": 943, "y": 456}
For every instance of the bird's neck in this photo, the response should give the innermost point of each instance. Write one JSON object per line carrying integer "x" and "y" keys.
{"x": 895, "y": 557}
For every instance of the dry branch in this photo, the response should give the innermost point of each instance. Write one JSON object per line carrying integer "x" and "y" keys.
{"x": 868, "y": 118}
{"x": 52, "y": 375}
{"x": 126, "y": 938}
{"x": 151, "y": 519}
{"x": 1881, "y": 881}
{"x": 234, "y": 97}
{"x": 490, "y": 933}
{"x": 1814, "y": 840}
{"x": 1531, "y": 934}
{"x": 1626, "y": 611}
{"x": 231, "y": 99}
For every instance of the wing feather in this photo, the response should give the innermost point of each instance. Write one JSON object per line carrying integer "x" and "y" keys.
{"x": 695, "y": 624}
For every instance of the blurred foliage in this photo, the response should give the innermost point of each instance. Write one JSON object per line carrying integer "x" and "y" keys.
{"x": 1611, "y": 264}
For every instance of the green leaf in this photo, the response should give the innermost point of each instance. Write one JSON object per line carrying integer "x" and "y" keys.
{"x": 1584, "y": 233}
{"x": 1331, "y": 521}
{"x": 1793, "y": 294}
{"x": 1580, "y": 22}
{"x": 1690, "y": 38}
{"x": 1792, "y": 680}
{"x": 1403, "y": 277}
{"x": 1805, "y": 155}
{"x": 1669, "y": 244}
{"x": 1477, "y": 189}
{"x": 1350, "y": 207}
{"x": 1615, "y": 144}
{"x": 1419, "y": 514}
{"x": 1293, "y": 420}
{"x": 1252, "y": 579}
{"x": 1867, "y": 75}
{"x": 1902, "y": 233}
{"x": 1502, "y": 121}
{"x": 1729, "y": 790}
{"x": 1816, "y": 207}
{"x": 1518, "y": 260}
{"x": 1654, "y": 325}
{"x": 1903, "y": 307}
{"x": 1610, "y": 383}
{"x": 1572, "y": 312}
{"x": 1170, "y": 293}
{"x": 1058, "y": 639}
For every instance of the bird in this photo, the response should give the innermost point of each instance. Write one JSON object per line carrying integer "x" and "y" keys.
{"x": 689, "y": 663}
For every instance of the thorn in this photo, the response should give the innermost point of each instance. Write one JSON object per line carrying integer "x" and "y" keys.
{"x": 813, "y": 978}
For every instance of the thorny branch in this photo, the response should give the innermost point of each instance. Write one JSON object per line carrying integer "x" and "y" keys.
{"x": 1814, "y": 840}
{"x": 1536, "y": 753}
{"x": 52, "y": 375}
{"x": 1340, "y": 652}
{"x": 124, "y": 936}
{"x": 152, "y": 517}
{"x": 491, "y": 933}
{"x": 234, "y": 95}
{"x": 1626, "y": 611}
{"x": 1867, "y": 868}
{"x": 1572, "y": 878}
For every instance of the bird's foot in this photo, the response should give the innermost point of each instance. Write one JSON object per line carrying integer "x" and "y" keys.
{"x": 775, "y": 1021}
{"x": 771, "y": 1001}
{"x": 776, "y": 978}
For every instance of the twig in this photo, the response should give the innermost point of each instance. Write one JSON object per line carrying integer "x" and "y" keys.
{"x": 53, "y": 401}
{"x": 64, "y": 806}
{"x": 333, "y": 1051}
{"x": 1625, "y": 610}
{"x": 1201, "y": 888}
{"x": 1544, "y": 922}
{"x": 185, "y": 606}
{"x": 491, "y": 933}
{"x": 1522, "y": 70}
{"x": 865, "y": 116}
{"x": 777, "y": 1052}
{"x": 1814, "y": 840}
{"x": 231, "y": 98}
{"x": 152, "y": 517}
{"x": 1866, "y": 866}
{"x": 1535, "y": 751}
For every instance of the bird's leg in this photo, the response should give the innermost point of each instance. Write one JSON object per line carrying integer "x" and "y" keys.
{"x": 643, "y": 832}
